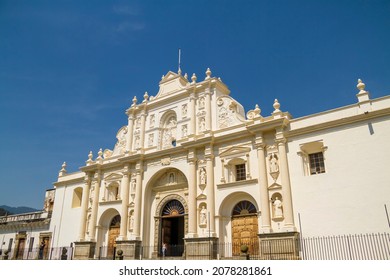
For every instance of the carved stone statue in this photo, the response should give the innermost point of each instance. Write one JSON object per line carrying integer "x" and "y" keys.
{"x": 278, "y": 208}
{"x": 202, "y": 216}
{"x": 202, "y": 176}
{"x": 273, "y": 163}
{"x": 184, "y": 131}
{"x": 184, "y": 110}
{"x": 202, "y": 124}
{"x": 133, "y": 185}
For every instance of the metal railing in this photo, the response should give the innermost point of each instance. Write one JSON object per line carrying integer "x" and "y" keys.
{"x": 373, "y": 246}
{"x": 57, "y": 253}
{"x": 39, "y": 215}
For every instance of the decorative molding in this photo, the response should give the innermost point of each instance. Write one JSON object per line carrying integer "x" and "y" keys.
{"x": 237, "y": 183}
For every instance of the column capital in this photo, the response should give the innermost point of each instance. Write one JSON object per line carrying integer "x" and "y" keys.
{"x": 281, "y": 141}
{"x": 260, "y": 146}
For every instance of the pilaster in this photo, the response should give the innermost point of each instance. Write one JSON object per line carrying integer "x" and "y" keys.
{"x": 209, "y": 157}
{"x": 192, "y": 190}
{"x": 125, "y": 202}
{"x": 265, "y": 226}
{"x": 84, "y": 207}
{"x": 95, "y": 203}
{"x": 138, "y": 202}
{"x": 286, "y": 185}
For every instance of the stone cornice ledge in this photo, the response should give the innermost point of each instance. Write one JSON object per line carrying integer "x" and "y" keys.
{"x": 237, "y": 183}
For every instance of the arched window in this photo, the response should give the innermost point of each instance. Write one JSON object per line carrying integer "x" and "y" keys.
{"x": 168, "y": 130}
{"x": 77, "y": 197}
{"x": 244, "y": 207}
{"x": 173, "y": 208}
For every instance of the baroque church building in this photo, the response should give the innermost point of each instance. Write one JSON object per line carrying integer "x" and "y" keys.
{"x": 191, "y": 170}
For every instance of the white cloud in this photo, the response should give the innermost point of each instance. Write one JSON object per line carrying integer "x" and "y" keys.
{"x": 129, "y": 26}
{"x": 126, "y": 10}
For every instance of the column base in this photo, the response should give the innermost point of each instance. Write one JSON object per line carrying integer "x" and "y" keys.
{"x": 84, "y": 250}
{"x": 131, "y": 249}
{"x": 201, "y": 248}
{"x": 279, "y": 246}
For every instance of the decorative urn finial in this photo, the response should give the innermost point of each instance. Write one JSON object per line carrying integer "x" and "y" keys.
{"x": 208, "y": 74}
{"x": 193, "y": 78}
{"x": 276, "y": 106}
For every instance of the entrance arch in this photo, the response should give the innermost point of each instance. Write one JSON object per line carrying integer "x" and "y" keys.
{"x": 113, "y": 233}
{"x": 172, "y": 228}
{"x": 171, "y": 225}
{"x": 108, "y": 231}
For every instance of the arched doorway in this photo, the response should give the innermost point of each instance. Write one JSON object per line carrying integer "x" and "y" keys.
{"x": 113, "y": 233}
{"x": 172, "y": 228}
{"x": 244, "y": 227}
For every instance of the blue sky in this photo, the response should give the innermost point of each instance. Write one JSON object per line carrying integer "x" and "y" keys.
{"x": 69, "y": 69}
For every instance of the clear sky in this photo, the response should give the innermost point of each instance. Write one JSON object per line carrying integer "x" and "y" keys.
{"x": 69, "y": 69}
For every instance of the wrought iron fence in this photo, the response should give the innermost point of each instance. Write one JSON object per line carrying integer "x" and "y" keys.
{"x": 57, "y": 253}
{"x": 374, "y": 246}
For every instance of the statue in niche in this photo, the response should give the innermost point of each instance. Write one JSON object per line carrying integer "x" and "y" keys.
{"x": 91, "y": 194}
{"x": 151, "y": 123}
{"x": 87, "y": 223}
{"x": 131, "y": 221}
{"x": 151, "y": 138}
{"x": 202, "y": 124}
{"x": 202, "y": 176}
{"x": 273, "y": 163}
{"x": 184, "y": 131}
{"x": 137, "y": 144}
{"x": 169, "y": 133}
{"x": 278, "y": 208}
{"x": 184, "y": 111}
{"x": 201, "y": 102}
{"x": 171, "y": 179}
{"x": 133, "y": 185}
{"x": 202, "y": 216}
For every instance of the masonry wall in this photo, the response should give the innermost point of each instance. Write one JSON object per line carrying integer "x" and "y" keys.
{"x": 349, "y": 197}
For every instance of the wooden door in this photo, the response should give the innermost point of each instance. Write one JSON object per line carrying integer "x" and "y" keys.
{"x": 113, "y": 233}
{"x": 20, "y": 250}
{"x": 244, "y": 232}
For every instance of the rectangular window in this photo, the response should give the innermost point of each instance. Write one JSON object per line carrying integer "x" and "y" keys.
{"x": 10, "y": 244}
{"x": 30, "y": 246}
{"x": 317, "y": 164}
{"x": 240, "y": 172}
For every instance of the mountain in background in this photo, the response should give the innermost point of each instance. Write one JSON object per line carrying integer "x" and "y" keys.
{"x": 15, "y": 210}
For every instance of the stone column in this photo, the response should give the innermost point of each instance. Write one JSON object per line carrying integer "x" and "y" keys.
{"x": 192, "y": 110}
{"x": 84, "y": 208}
{"x": 265, "y": 227}
{"x": 130, "y": 131}
{"x": 125, "y": 202}
{"x": 208, "y": 109}
{"x": 143, "y": 119}
{"x": 138, "y": 203}
{"x": 209, "y": 156}
{"x": 286, "y": 186}
{"x": 192, "y": 187}
{"x": 95, "y": 203}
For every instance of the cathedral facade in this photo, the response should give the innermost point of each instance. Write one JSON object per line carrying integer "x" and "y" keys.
{"x": 191, "y": 170}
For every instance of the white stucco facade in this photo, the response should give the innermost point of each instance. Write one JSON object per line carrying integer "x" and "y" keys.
{"x": 191, "y": 163}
